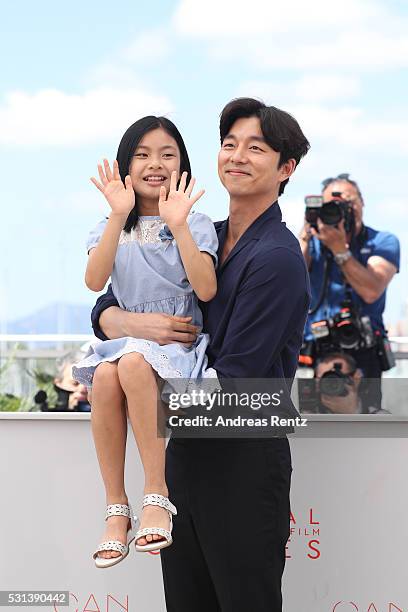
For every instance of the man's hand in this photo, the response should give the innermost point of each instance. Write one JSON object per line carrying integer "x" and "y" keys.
{"x": 304, "y": 240}
{"x": 79, "y": 395}
{"x": 306, "y": 232}
{"x": 157, "y": 327}
{"x": 166, "y": 329}
{"x": 334, "y": 238}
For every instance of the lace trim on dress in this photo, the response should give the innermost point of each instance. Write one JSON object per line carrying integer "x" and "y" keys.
{"x": 85, "y": 369}
{"x": 145, "y": 232}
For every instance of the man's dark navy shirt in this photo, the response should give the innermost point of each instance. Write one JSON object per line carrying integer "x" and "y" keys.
{"x": 257, "y": 318}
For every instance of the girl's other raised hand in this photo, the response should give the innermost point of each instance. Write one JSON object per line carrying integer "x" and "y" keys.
{"x": 121, "y": 197}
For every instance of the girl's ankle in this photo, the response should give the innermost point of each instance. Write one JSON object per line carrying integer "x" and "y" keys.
{"x": 159, "y": 490}
{"x": 117, "y": 500}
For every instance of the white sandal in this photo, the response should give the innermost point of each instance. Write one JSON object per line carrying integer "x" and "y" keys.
{"x": 116, "y": 510}
{"x": 154, "y": 499}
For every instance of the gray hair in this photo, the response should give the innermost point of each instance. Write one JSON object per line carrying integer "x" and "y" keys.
{"x": 345, "y": 178}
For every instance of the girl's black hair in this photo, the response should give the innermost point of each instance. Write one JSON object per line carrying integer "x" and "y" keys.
{"x": 130, "y": 141}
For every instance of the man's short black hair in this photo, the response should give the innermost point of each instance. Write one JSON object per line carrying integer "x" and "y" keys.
{"x": 280, "y": 130}
{"x": 339, "y": 355}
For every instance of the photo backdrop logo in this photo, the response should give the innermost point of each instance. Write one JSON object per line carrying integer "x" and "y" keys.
{"x": 352, "y": 606}
{"x": 92, "y": 604}
{"x": 308, "y": 530}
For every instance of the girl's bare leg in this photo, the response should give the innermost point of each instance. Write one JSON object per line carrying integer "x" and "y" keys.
{"x": 138, "y": 381}
{"x": 109, "y": 428}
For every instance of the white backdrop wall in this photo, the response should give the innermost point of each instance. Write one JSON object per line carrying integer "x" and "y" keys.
{"x": 349, "y": 499}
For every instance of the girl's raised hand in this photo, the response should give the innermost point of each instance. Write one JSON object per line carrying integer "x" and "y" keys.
{"x": 174, "y": 210}
{"x": 121, "y": 197}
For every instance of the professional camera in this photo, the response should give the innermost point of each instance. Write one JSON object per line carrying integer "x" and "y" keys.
{"x": 345, "y": 330}
{"x": 333, "y": 383}
{"x": 61, "y": 404}
{"x": 330, "y": 213}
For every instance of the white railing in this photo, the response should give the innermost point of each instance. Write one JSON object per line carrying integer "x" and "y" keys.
{"x": 25, "y": 354}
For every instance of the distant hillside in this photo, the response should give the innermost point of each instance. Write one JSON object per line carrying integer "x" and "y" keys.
{"x": 55, "y": 318}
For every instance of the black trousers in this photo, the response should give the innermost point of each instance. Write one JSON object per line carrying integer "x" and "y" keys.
{"x": 232, "y": 497}
{"x": 370, "y": 389}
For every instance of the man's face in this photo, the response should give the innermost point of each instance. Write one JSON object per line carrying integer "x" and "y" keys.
{"x": 67, "y": 383}
{"x": 247, "y": 165}
{"x": 350, "y": 193}
{"x": 340, "y": 405}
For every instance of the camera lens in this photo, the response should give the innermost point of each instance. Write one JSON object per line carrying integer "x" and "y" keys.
{"x": 348, "y": 335}
{"x": 331, "y": 213}
{"x": 334, "y": 384}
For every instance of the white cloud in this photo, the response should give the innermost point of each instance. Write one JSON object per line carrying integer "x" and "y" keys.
{"x": 232, "y": 18}
{"x": 348, "y": 126}
{"x": 54, "y": 118}
{"x": 363, "y": 35}
{"x": 399, "y": 208}
{"x": 326, "y": 87}
{"x": 351, "y": 128}
{"x": 308, "y": 88}
{"x": 293, "y": 212}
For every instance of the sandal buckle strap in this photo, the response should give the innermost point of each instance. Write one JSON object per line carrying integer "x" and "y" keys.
{"x": 154, "y": 499}
{"x": 118, "y": 510}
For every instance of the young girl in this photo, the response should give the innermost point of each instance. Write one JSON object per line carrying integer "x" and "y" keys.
{"x": 160, "y": 258}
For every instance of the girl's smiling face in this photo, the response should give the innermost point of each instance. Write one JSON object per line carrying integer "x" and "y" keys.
{"x": 154, "y": 159}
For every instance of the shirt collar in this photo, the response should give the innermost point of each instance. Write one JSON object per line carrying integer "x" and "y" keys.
{"x": 272, "y": 213}
{"x": 253, "y": 232}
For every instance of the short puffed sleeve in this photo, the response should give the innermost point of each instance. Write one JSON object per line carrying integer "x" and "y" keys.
{"x": 95, "y": 234}
{"x": 204, "y": 234}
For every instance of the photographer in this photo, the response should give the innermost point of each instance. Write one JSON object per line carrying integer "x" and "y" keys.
{"x": 338, "y": 386}
{"x": 350, "y": 266}
{"x": 66, "y": 394}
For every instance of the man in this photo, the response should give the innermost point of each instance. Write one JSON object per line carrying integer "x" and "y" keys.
{"x": 67, "y": 394}
{"x": 348, "y": 402}
{"x": 366, "y": 261}
{"x": 232, "y": 495}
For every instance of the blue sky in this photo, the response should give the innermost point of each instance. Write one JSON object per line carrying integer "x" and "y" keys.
{"x": 74, "y": 76}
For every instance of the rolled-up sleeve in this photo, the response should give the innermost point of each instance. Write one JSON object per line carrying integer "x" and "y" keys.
{"x": 102, "y": 303}
{"x": 270, "y": 307}
{"x": 387, "y": 246}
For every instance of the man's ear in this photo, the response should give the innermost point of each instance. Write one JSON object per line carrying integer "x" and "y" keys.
{"x": 287, "y": 169}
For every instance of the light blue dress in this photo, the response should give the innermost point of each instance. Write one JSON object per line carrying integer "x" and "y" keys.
{"x": 148, "y": 276}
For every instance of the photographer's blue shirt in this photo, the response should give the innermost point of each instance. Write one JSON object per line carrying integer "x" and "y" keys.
{"x": 370, "y": 242}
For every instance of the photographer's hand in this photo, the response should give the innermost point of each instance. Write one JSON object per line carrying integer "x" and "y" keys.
{"x": 304, "y": 239}
{"x": 334, "y": 238}
{"x": 79, "y": 395}
{"x": 369, "y": 281}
